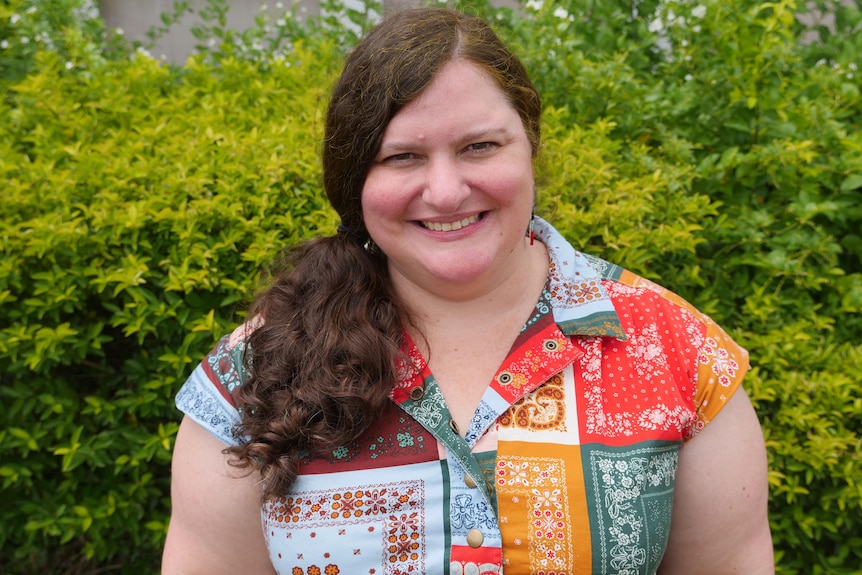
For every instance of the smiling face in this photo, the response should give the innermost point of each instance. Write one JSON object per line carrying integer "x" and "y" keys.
{"x": 448, "y": 197}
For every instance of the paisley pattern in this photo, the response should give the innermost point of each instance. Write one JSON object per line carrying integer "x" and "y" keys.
{"x": 543, "y": 409}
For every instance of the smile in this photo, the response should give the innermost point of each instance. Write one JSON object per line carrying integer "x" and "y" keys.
{"x": 450, "y": 226}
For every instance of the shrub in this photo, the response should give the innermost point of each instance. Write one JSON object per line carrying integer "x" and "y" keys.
{"x": 140, "y": 205}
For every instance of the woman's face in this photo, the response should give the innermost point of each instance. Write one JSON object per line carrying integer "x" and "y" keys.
{"x": 449, "y": 195}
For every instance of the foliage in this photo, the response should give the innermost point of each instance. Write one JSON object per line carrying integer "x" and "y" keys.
{"x": 140, "y": 204}
{"x": 71, "y": 28}
{"x": 703, "y": 145}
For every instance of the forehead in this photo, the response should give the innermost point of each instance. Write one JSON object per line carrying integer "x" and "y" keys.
{"x": 461, "y": 76}
{"x": 460, "y": 92}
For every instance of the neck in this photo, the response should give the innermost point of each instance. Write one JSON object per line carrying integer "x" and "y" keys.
{"x": 513, "y": 290}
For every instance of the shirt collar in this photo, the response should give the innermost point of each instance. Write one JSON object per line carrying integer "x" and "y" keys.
{"x": 580, "y": 302}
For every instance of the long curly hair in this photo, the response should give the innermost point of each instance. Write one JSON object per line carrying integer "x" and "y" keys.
{"x": 323, "y": 361}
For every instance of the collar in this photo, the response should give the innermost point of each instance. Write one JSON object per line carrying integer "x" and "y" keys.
{"x": 580, "y": 303}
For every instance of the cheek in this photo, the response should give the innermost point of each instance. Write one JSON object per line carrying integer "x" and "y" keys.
{"x": 378, "y": 202}
{"x": 369, "y": 198}
{"x": 512, "y": 184}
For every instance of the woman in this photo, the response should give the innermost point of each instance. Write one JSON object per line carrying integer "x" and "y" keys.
{"x": 433, "y": 390}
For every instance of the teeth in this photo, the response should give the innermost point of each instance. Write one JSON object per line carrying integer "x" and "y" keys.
{"x": 450, "y": 226}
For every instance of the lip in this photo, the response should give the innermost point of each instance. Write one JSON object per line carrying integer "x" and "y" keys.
{"x": 450, "y": 225}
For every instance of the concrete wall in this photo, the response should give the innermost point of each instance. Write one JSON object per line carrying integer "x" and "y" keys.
{"x": 136, "y": 17}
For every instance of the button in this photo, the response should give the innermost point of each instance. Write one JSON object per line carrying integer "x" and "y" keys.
{"x": 454, "y": 427}
{"x": 468, "y": 481}
{"x": 475, "y": 538}
{"x": 417, "y": 393}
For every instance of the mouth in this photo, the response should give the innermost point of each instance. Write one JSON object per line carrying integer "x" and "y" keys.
{"x": 450, "y": 226}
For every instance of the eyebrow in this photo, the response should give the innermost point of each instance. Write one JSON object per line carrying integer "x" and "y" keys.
{"x": 480, "y": 134}
{"x": 485, "y": 133}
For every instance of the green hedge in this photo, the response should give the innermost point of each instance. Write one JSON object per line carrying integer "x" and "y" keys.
{"x": 140, "y": 203}
{"x": 719, "y": 156}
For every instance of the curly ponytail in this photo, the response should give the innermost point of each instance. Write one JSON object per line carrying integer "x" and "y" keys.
{"x": 322, "y": 361}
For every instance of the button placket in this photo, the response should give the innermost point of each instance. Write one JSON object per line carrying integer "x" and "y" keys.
{"x": 432, "y": 413}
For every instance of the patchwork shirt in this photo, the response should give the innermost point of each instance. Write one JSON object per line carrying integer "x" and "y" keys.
{"x": 568, "y": 466}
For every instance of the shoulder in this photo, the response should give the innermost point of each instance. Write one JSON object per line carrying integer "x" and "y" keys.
{"x": 225, "y": 364}
{"x": 637, "y": 298}
{"x": 655, "y": 318}
{"x": 208, "y": 395}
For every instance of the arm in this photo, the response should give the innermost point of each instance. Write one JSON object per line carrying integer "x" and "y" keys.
{"x": 215, "y": 521}
{"x": 719, "y": 524}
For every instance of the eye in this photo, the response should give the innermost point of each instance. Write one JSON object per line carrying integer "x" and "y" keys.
{"x": 398, "y": 158}
{"x": 481, "y": 146}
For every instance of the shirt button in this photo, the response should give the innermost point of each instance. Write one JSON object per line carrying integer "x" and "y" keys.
{"x": 475, "y": 538}
{"x": 454, "y": 427}
{"x": 417, "y": 393}
{"x": 468, "y": 481}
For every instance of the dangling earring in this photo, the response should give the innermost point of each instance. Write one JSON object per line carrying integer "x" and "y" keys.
{"x": 532, "y": 223}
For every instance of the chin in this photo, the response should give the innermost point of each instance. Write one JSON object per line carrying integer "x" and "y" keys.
{"x": 459, "y": 273}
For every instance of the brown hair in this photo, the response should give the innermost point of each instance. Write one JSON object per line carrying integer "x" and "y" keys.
{"x": 323, "y": 363}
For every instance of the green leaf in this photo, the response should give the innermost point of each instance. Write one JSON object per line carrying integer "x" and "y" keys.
{"x": 853, "y": 182}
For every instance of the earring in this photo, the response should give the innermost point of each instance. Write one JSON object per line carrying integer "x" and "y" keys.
{"x": 532, "y": 223}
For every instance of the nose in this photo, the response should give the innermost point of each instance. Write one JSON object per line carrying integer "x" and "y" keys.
{"x": 446, "y": 186}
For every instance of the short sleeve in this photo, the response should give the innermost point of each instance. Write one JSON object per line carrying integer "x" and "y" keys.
{"x": 207, "y": 395}
{"x": 721, "y": 366}
{"x": 721, "y": 363}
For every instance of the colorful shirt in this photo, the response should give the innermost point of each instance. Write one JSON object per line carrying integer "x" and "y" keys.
{"x": 568, "y": 465}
